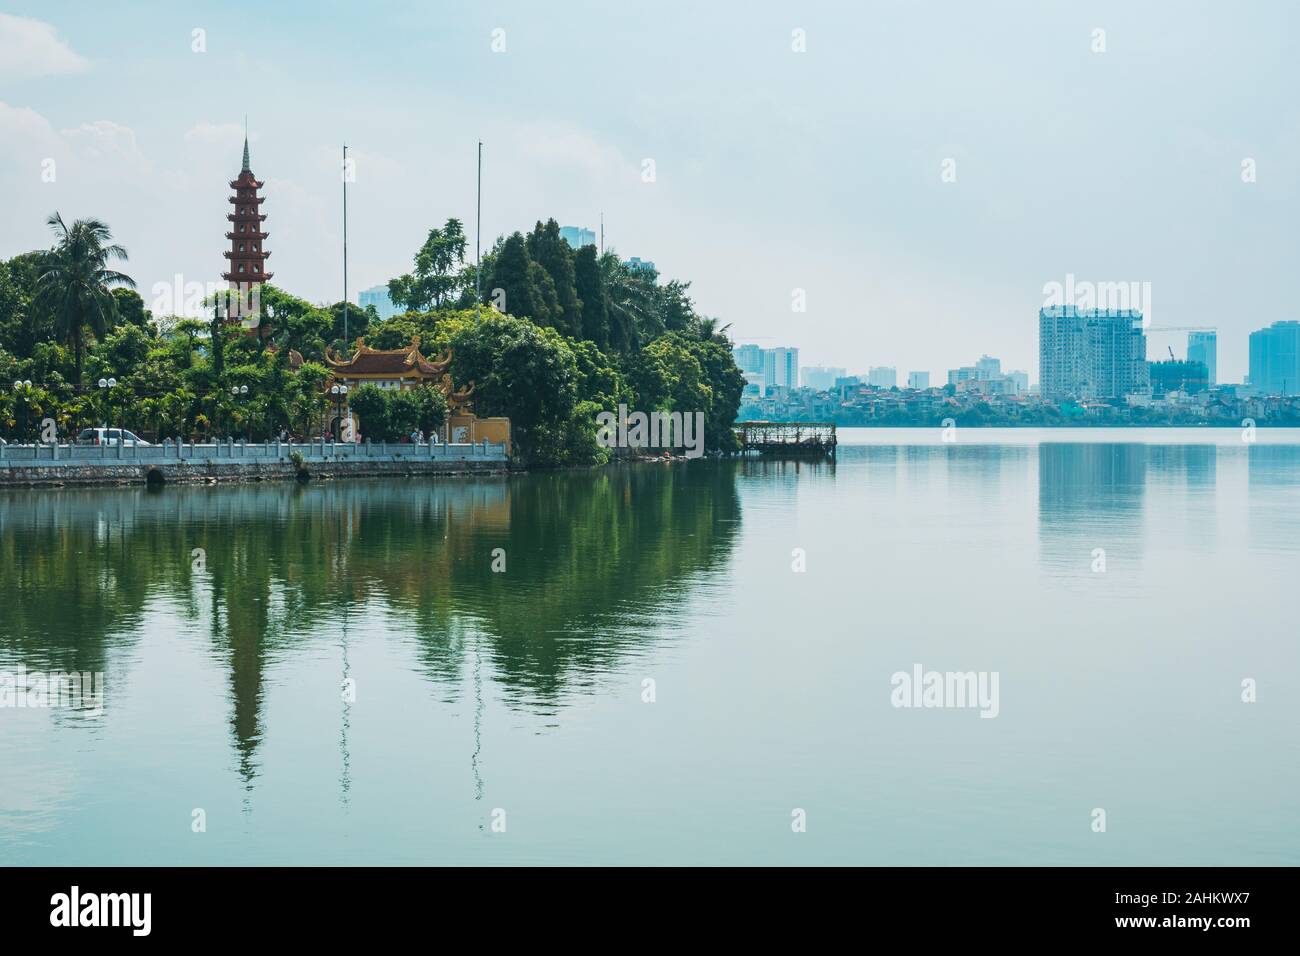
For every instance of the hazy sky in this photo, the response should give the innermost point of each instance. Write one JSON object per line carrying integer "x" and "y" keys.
{"x": 775, "y": 170}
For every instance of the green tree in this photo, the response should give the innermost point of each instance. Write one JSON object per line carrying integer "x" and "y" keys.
{"x": 518, "y": 370}
{"x": 394, "y": 333}
{"x": 119, "y": 352}
{"x": 402, "y": 415}
{"x": 553, "y": 255}
{"x": 76, "y": 281}
{"x": 725, "y": 383}
{"x": 131, "y": 310}
{"x": 436, "y": 280}
{"x": 358, "y": 324}
{"x": 515, "y": 278}
{"x": 598, "y": 380}
{"x": 591, "y": 296}
{"x": 308, "y": 400}
{"x": 186, "y": 334}
{"x": 24, "y": 322}
{"x": 28, "y": 405}
{"x": 370, "y": 405}
{"x": 432, "y": 409}
{"x": 629, "y": 302}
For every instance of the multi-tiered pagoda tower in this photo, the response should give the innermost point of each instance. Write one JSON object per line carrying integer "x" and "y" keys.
{"x": 246, "y": 255}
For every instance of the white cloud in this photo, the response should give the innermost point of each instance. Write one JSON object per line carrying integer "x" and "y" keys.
{"x": 25, "y": 133}
{"x": 105, "y": 142}
{"x": 95, "y": 169}
{"x": 575, "y": 151}
{"x": 30, "y": 48}
{"x": 216, "y": 134}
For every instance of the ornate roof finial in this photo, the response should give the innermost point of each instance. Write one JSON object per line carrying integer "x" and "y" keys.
{"x": 245, "y": 167}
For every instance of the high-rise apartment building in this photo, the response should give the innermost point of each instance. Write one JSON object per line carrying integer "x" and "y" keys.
{"x": 1175, "y": 376}
{"x": 577, "y": 236}
{"x": 1203, "y": 347}
{"x": 749, "y": 358}
{"x": 882, "y": 377}
{"x": 781, "y": 368}
{"x": 819, "y": 377}
{"x": 378, "y": 297}
{"x": 1275, "y": 359}
{"x": 918, "y": 380}
{"x": 1092, "y": 353}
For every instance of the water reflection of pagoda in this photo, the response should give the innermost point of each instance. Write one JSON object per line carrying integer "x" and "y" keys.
{"x": 246, "y": 254}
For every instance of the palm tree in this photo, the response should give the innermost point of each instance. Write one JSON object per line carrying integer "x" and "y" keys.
{"x": 629, "y": 303}
{"x": 710, "y": 331}
{"x": 76, "y": 280}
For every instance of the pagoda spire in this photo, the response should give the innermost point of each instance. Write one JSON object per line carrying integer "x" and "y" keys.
{"x": 246, "y": 255}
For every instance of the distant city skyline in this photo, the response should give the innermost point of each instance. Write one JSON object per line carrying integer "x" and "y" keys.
{"x": 1088, "y": 354}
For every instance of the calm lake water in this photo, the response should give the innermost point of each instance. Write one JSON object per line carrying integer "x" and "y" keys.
{"x": 233, "y": 625}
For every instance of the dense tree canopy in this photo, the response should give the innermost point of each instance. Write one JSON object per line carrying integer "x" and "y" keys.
{"x": 559, "y": 336}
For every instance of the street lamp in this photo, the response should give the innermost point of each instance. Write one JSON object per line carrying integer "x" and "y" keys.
{"x": 237, "y": 392}
{"x": 106, "y": 383}
{"x": 340, "y": 393}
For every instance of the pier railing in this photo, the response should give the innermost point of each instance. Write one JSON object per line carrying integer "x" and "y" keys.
{"x": 788, "y": 438}
{"x": 236, "y": 451}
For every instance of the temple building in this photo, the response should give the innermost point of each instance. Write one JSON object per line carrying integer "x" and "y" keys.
{"x": 406, "y": 368}
{"x": 246, "y": 254}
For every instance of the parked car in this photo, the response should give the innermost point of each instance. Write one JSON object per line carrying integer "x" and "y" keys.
{"x": 109, "y": 436}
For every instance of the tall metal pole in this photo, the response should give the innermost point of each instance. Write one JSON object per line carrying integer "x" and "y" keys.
{"x": 602, "y": 232}
{"x": 345, "y": 245}
{"x": 478, "y": 236}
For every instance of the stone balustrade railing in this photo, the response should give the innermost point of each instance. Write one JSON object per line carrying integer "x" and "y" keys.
{"x": 237, "y": 451}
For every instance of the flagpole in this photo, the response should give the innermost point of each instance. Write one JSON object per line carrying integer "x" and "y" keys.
{"x": 478, "y": 237}
{"x": 345, "y": 246}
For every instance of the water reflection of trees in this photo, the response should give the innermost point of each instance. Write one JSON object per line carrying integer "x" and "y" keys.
{"x": 596, "y": 564}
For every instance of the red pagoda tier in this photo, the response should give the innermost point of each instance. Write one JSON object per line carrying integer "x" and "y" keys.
{"x": 246, "y": 255}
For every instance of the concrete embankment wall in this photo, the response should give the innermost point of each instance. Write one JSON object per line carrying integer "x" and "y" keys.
{"x": 26, "y": 474}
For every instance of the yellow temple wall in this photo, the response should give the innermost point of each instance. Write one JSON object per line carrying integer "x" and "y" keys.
{"x": 476, "y": 429}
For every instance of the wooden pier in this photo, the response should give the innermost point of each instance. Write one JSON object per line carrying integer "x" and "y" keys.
{"x": 789, "y": 439}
